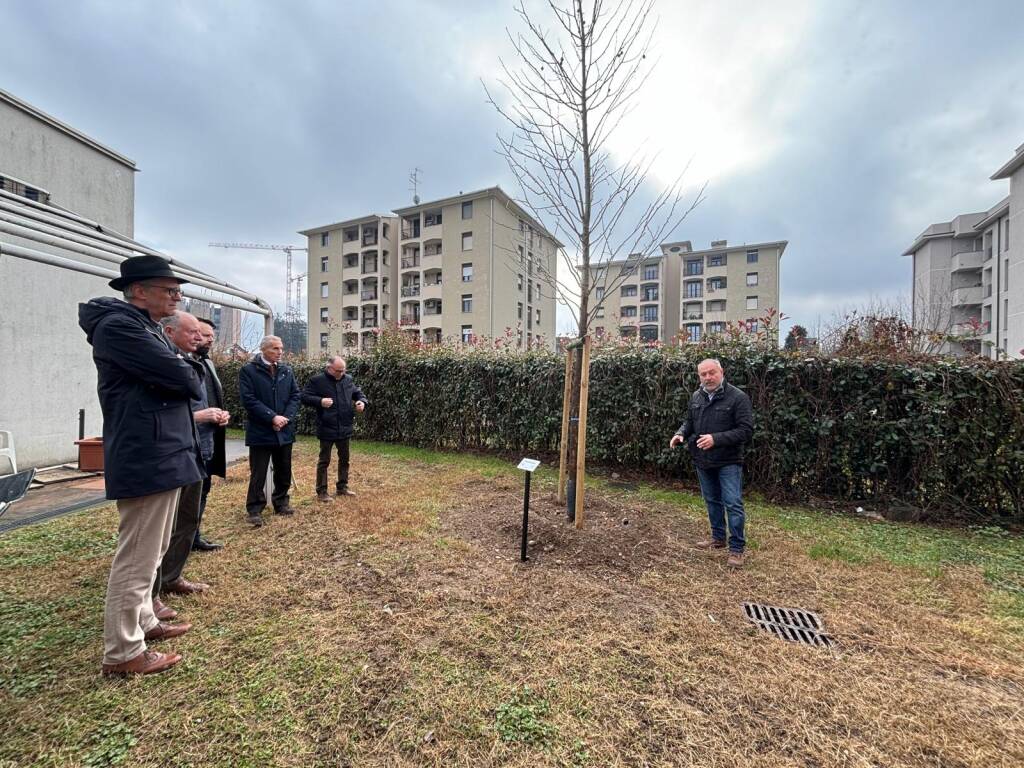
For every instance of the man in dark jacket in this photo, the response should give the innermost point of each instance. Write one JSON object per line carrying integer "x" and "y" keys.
{"x": 336, "y": 399}
{"x": 150, "y": 451}
{"x": 270, "y": 397}
{"x": 217, "y": 463}
{"x": 718, "y": 424}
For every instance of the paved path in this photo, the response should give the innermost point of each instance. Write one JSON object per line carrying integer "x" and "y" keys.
{"x": 63, "y": 498}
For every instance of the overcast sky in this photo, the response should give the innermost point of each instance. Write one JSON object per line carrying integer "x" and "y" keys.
{"x": 843, "y": 127}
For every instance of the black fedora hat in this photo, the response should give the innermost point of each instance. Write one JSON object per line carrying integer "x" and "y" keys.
{"x": 139, "y": 268}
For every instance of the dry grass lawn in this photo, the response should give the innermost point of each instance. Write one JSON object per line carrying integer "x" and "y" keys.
{"x": 398, "y": 628}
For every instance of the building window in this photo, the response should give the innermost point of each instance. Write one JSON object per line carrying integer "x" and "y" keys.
{"x": 467, "y": 209}
{"x": 467, "y": 302}
{"x": 519, "y": 310}
{"x": 651, "y": 272}
{"x": 694, "y": 267}
{"x": 752, "y": 256}
{"x": 323, "y": 263}
{"x": 519, "y": 282}
{"x": 751, "y": 278}
{"x": 599, "y": 293}
{"x": 522, "y": 225}
{"x": 751, "y": 302}
{"x": 716, "y": 284}
{"x": 1006, "y": 235}
{"x": 599, "y": 332}
{"x": 628, "y": 311}
{"x": 538, "y": 291}
{"x": 716, "y": 327}
{"x": 467, "y": 334}
{"x": 529, "y": 292}
{"x": 716, "y": 260}
{"x": 323, "y": 290}
{"x": 467, "y": 241}
{"x": 600, "y": 312}
{"x": 323, "y": 341}
{"x": 538, "y": 316}
{"x": 521, "y": 254}
{"x": 694, "y": 290}
{"x": 693, "y": 333}
{"x": 325, "y": 239}
{"x": 648, "y": 334}
{"x": 650, "y": 314}
{"x": 650, "y": 293}
{"x": 467, "y": 272}
{"x": 628, "y": 290}
{"x": 752, "y": 325}
{"x": 324, "y": 316}
{"x": 529, "y": 319}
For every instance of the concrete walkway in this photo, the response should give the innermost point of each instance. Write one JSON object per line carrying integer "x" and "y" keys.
{"x": 58, "y": 499}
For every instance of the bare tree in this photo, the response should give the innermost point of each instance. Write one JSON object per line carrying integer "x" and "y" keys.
{"x": 567, "y": 94}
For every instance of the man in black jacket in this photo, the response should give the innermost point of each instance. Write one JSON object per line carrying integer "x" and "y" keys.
{"x": 217, "y": 464}
{"x": 150, "y": 451}
{"x": 336, "y": 399}
{"x": 270, "y": 396}
{"x": 718, "y": 424}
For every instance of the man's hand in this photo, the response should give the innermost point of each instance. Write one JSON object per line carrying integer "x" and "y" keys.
{"x": 360, "y": 406}
{"x": 705, "y": 442}
{"x": 225, "y": 417}
{"x": 207, "y": 415}
{"x": 279, "y": 423}
{"x": 326, "y": 402}
{"x": 676, "y": 440}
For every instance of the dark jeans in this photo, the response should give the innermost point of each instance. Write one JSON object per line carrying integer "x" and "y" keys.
{"x": 722, "y": 488}
{"x": 202, "y": 499}
{"x": 325, "y": 461}
{"x": 259, "y": 458}
{"x": 186, "y": 523}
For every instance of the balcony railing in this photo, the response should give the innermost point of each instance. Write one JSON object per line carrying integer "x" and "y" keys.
{"x": 410, "y": 290}
{"x": 369, "y": 267}
{"x": 410, "y": 320}
{"x": 368, "y": 295}
{"x": 693, "y": 316}
{"x": 431, "y": 310}
{"x": 409, "y": 233}
{"x": 369, "y": 322}
{"x": 967, "y": 295}
{"x": 408, "y": 262}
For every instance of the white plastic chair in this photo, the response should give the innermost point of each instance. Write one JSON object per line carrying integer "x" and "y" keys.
{"x": 7, "y": 450}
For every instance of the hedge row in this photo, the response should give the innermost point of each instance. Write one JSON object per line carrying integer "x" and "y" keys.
{"x": 944, "y": 439}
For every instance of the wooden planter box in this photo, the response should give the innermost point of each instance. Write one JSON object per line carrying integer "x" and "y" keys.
{"x": 90, "y": 454}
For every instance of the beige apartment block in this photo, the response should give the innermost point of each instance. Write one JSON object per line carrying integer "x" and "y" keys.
{"x": 352, "y": 279}
{"x": 727, "y": 285}
{"x": 686, "y": 294}
{"x": 968, "y": 275}
{"x": 473, "y": 265}
{"x": 633, "y": 297}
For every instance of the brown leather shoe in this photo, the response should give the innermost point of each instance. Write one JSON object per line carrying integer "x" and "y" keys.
{"x": 346, "y": 491}
{"x": 323, "y": 497}
{"x": 182, "y": 586}
{"x": 736, "y": 559}
{"x": 165, "y": 631}
{"x": 710, "y": 544}
{"x": 146, "y": 663}
{"x": 163, "y": 612}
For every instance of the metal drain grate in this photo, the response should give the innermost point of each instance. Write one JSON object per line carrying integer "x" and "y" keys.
{"x": 792, "y": 624}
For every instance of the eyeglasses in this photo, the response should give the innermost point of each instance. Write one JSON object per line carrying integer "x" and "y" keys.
{"x": 174, "y": 292}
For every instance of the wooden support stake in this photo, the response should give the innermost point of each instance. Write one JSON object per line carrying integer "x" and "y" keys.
{"x": 563, "y": 471}
{"x": 581, "y": 444}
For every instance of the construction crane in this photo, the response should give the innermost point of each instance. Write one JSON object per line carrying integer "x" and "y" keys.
{"x": 291, "y": 309}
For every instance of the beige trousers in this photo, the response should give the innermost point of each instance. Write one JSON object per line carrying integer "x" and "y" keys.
{"x": 142, "y": 537}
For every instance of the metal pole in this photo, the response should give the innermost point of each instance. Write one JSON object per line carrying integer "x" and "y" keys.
{"x": 81, "y": 423}
{"x": 526, "y": 519}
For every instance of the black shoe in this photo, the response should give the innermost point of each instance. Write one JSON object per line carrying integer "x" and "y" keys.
{"x": 345, "y": 491}
{"x": 285, "y": 511}
{"x": 255, "y": 519}
{"x": 202, "y": 545}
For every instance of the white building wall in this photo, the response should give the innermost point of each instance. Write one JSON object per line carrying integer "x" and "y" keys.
{"x": 48, "y": 373}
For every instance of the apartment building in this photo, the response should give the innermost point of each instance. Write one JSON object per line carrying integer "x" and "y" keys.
{"x": 968, "y": 275}
{"x": 689, "y": 294}
{"x": 634, "y": 297}
{"x": 460, "y": 267}
{"x": 227, "y": 319}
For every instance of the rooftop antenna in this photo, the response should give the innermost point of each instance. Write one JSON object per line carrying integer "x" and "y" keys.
{"x": 414, "y": 180}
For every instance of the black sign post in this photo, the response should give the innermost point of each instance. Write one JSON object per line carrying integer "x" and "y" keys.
{"x": 527, "y": 465}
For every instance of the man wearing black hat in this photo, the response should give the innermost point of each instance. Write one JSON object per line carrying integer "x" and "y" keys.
{"x": 150, "y": 450}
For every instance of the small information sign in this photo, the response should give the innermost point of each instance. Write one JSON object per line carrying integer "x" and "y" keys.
{"x": 529, "y": 464}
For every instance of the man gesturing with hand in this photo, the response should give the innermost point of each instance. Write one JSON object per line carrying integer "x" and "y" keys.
{"x": 719, "y": 423}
